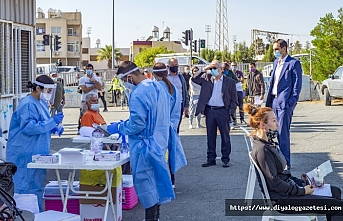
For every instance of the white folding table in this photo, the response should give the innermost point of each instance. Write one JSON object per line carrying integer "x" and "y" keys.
{"x": 105, "y": 140}
{"x": 107, "y": 166}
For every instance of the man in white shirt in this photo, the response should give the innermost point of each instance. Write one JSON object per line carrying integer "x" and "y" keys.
{"x": 89, "y": 84}
{"x": 284, "y": 91}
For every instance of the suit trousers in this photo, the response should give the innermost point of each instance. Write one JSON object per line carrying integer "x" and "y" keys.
{"x": 240, "y": 107}
{"x": 217, "y": 118}
{"x": 284, "y": 117}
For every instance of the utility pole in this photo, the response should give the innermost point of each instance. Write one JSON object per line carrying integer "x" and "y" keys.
{"x": 199, "y": 46}
{"x": 208, "y": 30}
{"x": 50, "y": 48}
{"x": 113, "y": 42}
{"x": 191, "y": 47}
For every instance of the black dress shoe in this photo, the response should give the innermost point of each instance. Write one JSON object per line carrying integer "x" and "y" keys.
{"x": 208, "y": 164}
{"x": 225, "y": 164}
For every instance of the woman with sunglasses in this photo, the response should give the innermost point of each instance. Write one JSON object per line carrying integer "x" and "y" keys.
{"x": 283, "y": 188}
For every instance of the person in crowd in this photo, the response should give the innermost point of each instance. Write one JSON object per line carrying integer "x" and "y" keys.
{"x": 186, "y": 75}
{"x": 218, "y": 101}
{"x": 92, "y": 114}
{"x": 240, "y": 94}
{"x": 116, "y": 89}
{"x": 176, "y": 155}
{"x": 101, "y": 93}
{"x": 283, "y": 94}
{"x": 148, "y": 130}
{"x": 147, "y": 74}
{"x": 59, "y": 62}
{"x": 179, "y": 82}
{"x": 228, "y": 72}
{"x": 30, "y": 134}
{"x": 255, "y": 84}
{"x": 283, "y": 188}
{"x": 60, "y": 99}
{"x": 89, "y": 84}
{"x": 194, "y": 92}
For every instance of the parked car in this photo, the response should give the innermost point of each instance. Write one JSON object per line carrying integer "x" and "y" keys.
{"x": 69, "y": 75}
{"x": 333, "y": 86}
{"x": 46, "y": 69}
{"x": 183, "y": 60}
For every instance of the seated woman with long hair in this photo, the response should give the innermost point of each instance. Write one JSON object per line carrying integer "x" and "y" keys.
{"x": 282, "y": 187}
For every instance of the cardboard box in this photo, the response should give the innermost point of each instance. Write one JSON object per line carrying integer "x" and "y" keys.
{"x": 72, "y": 156}
{"x": 98, "y": 189}
{"x": 127, "y": 180}
{"x": 107, "y": 156}
{"x": 56, "y": 216}
{"x": 97, "y": 211}
{"x": 45, "y": 158}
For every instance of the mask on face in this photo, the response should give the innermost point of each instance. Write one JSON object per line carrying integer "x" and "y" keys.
{"x": 272, "y": 134}
{"x": 89, "y": 72}
{"x": 187, "y": 71}
{"x": 174, "y": 69}
{"x": 226, "y": 72}
{"x": 214, "y": 72}
{"x": 54, "y": 79}
{"x": 45, "y": 96}
{"x": 95, "y": 107}
{"x": 252, "y": 70}
{"x": 234, "y": 68}
{"x": 277, "y": 54}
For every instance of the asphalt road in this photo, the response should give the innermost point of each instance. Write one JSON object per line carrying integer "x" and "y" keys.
{"x": 316, "y": 136}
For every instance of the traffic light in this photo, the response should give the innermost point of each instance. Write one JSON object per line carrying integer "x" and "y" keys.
{"x": 185, "y": 37}
{"x": 194, "y": 46}
{"x": 57, "y": 45}
{"x": 202, "y": 43}
{"x": 46, "y": 39}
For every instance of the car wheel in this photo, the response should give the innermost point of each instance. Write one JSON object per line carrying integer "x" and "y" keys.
{"x": 327, "y": 97}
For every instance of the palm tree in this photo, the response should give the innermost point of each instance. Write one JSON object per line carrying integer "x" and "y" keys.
{"x": 106, "y": 54}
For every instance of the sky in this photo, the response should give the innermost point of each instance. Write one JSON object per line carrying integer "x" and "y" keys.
{"x": 134, "y": 19}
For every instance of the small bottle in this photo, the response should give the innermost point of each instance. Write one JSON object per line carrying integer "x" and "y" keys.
{"x": 96, "y": 141}
{"x": 124, "y": 149}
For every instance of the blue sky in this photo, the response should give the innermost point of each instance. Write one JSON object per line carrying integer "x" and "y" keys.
{"x": 134, "y": 19}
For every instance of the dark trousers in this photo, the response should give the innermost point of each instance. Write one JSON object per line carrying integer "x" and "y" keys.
{"x": 178, "y": 127}
{"x": 314, "y": 200}
{"x": 103, "y": 100}
{"x": 115, "y": 93}
{"x": 284, "y": 117}
{"x": 217, "y": 118}
{"x": 240, "y": 107}
{"x": 152, "y": 213}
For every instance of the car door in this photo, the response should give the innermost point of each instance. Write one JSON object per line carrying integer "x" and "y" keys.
{"x": 336, "y": 87}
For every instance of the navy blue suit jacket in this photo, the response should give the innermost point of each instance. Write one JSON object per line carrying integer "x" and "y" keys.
{"x": 289, "y": 84}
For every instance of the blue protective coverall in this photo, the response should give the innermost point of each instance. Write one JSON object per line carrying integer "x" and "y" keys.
{"x": 148, "y": 132}
{"x": 176, "y": 155}
{"x": 29, "y": 134}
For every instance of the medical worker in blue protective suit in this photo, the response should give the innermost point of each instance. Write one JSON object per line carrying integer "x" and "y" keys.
{"x": 148, "y": 132}
{"x": 176, "y": 155}
{"x": 29, "y": 134}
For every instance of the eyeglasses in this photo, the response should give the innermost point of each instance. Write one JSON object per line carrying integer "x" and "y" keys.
{"x": 214, "y": 68}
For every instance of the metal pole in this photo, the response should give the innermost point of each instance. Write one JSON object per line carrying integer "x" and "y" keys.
{"x": 199, "y": 44}
{"x": 50, "y": 51}
{"x": 113, "y": 42}
{"x": 191, "y": 47}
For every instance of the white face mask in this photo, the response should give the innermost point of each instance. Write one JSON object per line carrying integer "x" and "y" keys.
{"x": 45, "y": 96}
{"x": 95, "y": 107}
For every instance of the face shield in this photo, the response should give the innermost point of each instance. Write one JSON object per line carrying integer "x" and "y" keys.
{"x": 120, "y": 76}
{"x": 48, "y": 92}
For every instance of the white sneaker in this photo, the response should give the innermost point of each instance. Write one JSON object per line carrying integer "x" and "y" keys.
{"x": 232, "y": 126}
{"x": 191, "y": 126}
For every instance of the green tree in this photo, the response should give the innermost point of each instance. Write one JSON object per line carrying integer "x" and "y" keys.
{"x": 106, "y": 54}
{"x": 146, "y": 57}
{"x": 242, "y": 53}
{"x": 207, "y": 54}
{"x": 297, "y": 47}
{"x": 218, "y": 55}
{"x": 269, "y": 56}
{"x": 226, "y": 55}
{"x": 328, "y": 51}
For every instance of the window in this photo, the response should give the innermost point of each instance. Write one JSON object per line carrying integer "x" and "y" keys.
{"x": 40, "y": 31}
{"x": 73, "y": 46}
{"x": 93, "y": 57}
{"x": 56, "y": 30}
{"x": 338, "y": 73}
{"x": 84, "y": 50}
{"x": 70, "y": 31}
{"x": 39, "y": 45}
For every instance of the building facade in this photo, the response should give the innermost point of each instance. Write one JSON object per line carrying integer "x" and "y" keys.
{"x": 17, "y": 63}
{"x": 68, "y": 26}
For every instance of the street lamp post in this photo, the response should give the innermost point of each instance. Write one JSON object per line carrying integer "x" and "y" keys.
{"x": 113, "y": 42}
{"x": 207, "y": 30}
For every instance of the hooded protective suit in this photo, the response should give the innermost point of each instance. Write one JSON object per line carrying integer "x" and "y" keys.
{"x": 148, "y": 132}
{"x": 29, "y": 134}
{"x": 176, "y": 155}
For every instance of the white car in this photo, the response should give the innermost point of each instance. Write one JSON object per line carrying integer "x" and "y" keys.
{"x": 333, "y": 86}
{"x": 183, "y": 60}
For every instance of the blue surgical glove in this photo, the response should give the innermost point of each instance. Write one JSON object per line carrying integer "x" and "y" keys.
{"x": 113, "y": 128}
{"x": 58, "y": 117}
{"x": 60, "y": 132}
{"x": 54, "y": 130}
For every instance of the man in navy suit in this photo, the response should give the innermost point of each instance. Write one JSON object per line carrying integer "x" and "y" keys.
{"x": 283, "y": 95}
{"x": 218, "y": 101}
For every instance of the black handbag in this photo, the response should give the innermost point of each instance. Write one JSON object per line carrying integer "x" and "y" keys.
{"x": 8, "y": 209}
